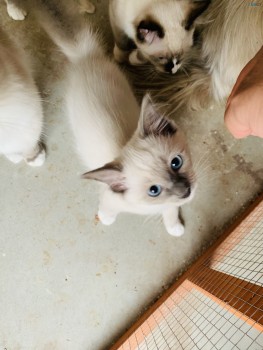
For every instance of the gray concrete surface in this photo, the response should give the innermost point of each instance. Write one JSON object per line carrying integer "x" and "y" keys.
{"x": 66, "y": 281}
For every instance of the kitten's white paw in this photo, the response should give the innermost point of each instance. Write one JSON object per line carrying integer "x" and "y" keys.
{"x": 134, "y": 59}
{"x": 106, "y": 219}
{"x": 39, "y": 160}
{"x": 15, "y": 158}
{"x": 177, "y": 230}
{"x": 16, "y": 13}
{"x": 86, "y": 6}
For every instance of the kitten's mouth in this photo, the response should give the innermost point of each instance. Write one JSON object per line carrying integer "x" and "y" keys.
{"x": 187, "y": 193}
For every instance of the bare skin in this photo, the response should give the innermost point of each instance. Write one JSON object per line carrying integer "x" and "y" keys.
{"x": 244, "y": 109}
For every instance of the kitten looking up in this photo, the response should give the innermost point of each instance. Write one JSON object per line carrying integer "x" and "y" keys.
{"x": 141, "y": 156}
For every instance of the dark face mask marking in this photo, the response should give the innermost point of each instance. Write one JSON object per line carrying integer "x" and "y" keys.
{"x": 169, "y": 66}
{"x": 147, "y": 26}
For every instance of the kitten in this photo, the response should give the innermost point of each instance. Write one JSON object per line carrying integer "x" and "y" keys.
{"x": 141, "y": 156}
{"x": 21, "y": 115}
{"x": 232, "y": 34}
{"x": 159, "y": 32}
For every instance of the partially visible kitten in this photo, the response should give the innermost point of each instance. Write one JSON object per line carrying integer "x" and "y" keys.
{"x": 155, "y": 31}
{"x": 21, "y": 116}
{"x": 147, "y": 167}
{"x": 232, "y": 34}
{"x": 19, "y": 13}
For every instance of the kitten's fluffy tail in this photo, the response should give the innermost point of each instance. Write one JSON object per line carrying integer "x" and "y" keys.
{"x": 66, "y": 27}
{"x": 191, "y": 86}
{"x": 191, "y": 89}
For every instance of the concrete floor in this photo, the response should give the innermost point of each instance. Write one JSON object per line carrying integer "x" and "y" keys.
{"x": 66, "y": 281}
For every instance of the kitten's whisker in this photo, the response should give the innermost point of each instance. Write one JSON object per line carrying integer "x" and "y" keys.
{"x": 201, "y": 166}
{"x": 208, "y": 177}
{"x": 203, "y": 161}
{"x": 204, "y": 173}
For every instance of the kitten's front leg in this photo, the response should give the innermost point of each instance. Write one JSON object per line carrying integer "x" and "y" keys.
{"x": 37, "y": 156}
{"x": 15, "y": 12}
{"x": 120, "y": 55}
{"x": 136, "y": 59}
{"x": 108, "y": 209}
{"x": 172, "y": 222}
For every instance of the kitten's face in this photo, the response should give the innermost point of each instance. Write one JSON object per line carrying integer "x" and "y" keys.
{"x": 165, "y": 33}
{"x": 154, "y": 168}
{"x": 158, "y": 170}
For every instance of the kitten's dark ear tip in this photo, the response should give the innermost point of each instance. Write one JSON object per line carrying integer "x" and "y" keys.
{"x": 153, "y": 122}
{"x": 84, "y": 176}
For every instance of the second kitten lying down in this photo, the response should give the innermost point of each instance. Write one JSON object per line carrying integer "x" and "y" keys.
{"x": 21, "y": 115}
{"x": 148, "y": 167}
{"x": 157, "y": 31}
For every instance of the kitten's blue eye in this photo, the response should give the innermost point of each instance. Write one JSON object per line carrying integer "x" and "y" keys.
{"x": 177, "y": 163}
{"x": 155, "y": 191}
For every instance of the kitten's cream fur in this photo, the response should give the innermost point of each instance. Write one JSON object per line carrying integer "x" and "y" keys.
{"x": 160, "y": 31}
{"x": 104, "y": 114}
{"x": 21, "y": 116}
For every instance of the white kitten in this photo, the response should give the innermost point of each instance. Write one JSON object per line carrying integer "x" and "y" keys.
{"x": 21, "y": 114}
{"x": 147, "y": 173}
{"x": 159, "y": 32}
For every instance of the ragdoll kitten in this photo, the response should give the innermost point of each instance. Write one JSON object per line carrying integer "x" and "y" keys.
{"x": 155, "y": 31}
{"x": 232, "y": 34}
{"x": 21, "y": 116}
{"x": 147, "y": 167}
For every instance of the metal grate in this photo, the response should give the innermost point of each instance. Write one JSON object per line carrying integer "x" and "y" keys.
{"x": 218, "y": 304}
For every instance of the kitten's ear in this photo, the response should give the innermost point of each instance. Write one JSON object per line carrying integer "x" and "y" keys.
{"x": 197, "y": 8}
{"x": 111, "y": 174}
{"x": 152, "y": 122}
{"x": 149, "y": 31}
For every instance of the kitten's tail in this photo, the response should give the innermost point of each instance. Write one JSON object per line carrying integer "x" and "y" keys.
{"x": 66, "y": 27}
{"x": 192, "y": 86}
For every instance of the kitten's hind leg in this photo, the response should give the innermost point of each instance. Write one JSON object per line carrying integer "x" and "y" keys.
{"x": 15, "y": 12}
{"x": 123, "y": 45}
{"x": 37, "y": 156}
{"x": 14, "y": 158}
{"x": 172, "y": 222}
{"x": 34, "y": 158}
